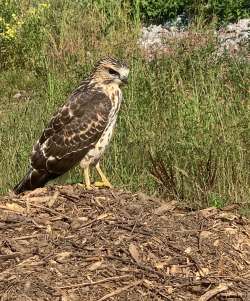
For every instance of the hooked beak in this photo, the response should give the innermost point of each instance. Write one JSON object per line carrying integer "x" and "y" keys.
{"x": 124, "y": 79}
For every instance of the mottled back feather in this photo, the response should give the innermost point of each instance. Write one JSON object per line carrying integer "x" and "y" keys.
{"x": 72, "y": 132}
{"x": 77, "y": 127}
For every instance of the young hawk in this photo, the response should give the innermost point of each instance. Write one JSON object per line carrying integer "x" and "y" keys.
{"x": 80, "y": 130}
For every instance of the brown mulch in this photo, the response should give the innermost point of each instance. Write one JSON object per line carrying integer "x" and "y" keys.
{"x": 62, "y": 243}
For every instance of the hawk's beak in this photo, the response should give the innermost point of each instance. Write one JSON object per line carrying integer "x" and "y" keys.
{"x": 124, "y": 79}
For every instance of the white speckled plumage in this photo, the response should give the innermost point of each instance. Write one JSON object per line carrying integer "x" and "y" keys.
{"x": 94, "y": 155}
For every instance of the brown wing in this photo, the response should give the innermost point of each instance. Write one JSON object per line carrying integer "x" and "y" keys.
{"x": 72, "y": 132}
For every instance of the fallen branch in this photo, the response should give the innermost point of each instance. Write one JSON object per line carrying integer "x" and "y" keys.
{"x": 232, "y": 295}
{"x": 10, "y": 256}
{"x": 213, "y": 292}
{"x": 25, "y": 237}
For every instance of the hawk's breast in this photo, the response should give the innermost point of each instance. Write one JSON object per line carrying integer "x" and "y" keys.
{"x": 93, "y": 156}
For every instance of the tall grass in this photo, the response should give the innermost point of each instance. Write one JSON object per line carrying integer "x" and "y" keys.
{"x": 183, "y": 129}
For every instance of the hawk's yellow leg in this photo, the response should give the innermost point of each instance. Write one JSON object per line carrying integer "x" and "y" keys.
{"x": 87, "y": 178}
{"x": 105, "y": 182}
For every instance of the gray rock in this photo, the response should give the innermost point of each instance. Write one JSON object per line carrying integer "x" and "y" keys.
{"x": 234, "y": 37}
{"x": 231, "y": 38}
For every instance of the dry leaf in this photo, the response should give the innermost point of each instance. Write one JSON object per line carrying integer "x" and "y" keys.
{"x": 188, "y": 250}
{"x": 48, "y": 229}
{"x": 170, "y": 206}
{"x": 203, "y": 271}
{"x": 53, "y": 199}
{"x": 151, "y": 256}
{"x": 205, "y": 234}
{"x": 35, "y": 192}
{"x": 216, "y": 242}
{"x": 227, "y": 216}
{"x": 100, "y": 198}
{"x": 69, "y": 296}
{"x": 61, "y": 257}
{"x": 103, "y": 216}
{"x": 169, "y": 289}
{"x": 133, "y": 250}
{"x": 79, "y": 222}
{"x": 38, "y": 199}
{"x": 96, "y": 265}
{"x": 231, "y": 207}
{"x": 231, "y": 231}
{"x": 119, "y": 240}
{"x": 175, "y": 269}
{"x": 147, "y": 283}
{"x": 160, "y": 264}
{"x": 83, "y": 219}
{"x": 14, "y": 207}
{"x": 208, "y": 212}
{"x": 143, "y": 197}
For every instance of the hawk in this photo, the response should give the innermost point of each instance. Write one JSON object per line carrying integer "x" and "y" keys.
{"x": 80, "y": 130}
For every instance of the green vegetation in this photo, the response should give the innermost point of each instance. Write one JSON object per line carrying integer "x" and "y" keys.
{"x": 223, "y": 10}
{"x": 188, "y": 110}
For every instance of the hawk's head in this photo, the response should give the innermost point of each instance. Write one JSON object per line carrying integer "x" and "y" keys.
{"x": 110, "y": 70}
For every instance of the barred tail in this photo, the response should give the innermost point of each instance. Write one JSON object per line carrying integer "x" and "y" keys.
{"x": 33, "y": 179}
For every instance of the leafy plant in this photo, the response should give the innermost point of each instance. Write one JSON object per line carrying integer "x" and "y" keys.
{"x": 21, "y": 30}
{"x": 216, "y": 200}
{"x": 224, "y": 10}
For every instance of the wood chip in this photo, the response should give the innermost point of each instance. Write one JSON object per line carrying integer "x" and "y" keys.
{"x": 95, "y": 266}
{"x": 167, "y": 207}
{"x": 134, "y": 252}
{"x": 213, "y": 292}
{"x": 120, "y": 290}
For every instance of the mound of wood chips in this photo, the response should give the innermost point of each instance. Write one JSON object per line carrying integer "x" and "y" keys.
{"x": 64, "y": 243}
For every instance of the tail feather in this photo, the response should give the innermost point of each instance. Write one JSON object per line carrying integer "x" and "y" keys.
{"x": 33, "y": 179}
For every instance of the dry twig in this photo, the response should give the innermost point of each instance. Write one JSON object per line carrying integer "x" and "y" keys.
{"x": 139, "y": 265}
{"x": 213, "y": 292}
{"x": 26, "y": 237}
{"x": 120, "y": 290}
{"x": 72, "y": 286}
{"x": 10, "y": 256}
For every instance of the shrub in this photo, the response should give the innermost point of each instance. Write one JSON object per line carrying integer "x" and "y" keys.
{"x": 224, "y": 10}
{"x": 21, "y": 31}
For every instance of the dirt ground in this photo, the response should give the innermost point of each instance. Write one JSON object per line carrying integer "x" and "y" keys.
{"x": 62, "y": 243}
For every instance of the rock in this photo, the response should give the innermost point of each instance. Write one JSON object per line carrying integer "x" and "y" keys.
{"x": 21, "y": 95}
{"x": 18, "y": 95}
{"x": 155, "y": 38}
{"x": 234, "y": 37}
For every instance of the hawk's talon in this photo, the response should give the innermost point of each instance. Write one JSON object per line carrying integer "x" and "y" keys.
{"x": 102, "y": 184}
{"x": 86, "y": 187}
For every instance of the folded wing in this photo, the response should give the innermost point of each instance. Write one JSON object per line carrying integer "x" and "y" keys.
{"x": 72, "y": 132}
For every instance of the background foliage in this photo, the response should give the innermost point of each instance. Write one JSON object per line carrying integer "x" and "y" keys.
{"x": 189, "y": 111}
{"x": 223, "y": 10}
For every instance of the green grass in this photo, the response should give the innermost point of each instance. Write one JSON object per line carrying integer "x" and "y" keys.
{"x": 189, "y": 110}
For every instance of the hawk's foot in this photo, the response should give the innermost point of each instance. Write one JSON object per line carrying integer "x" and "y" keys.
{"x": 86, "y": 187}
{"x": 103, "y": 184}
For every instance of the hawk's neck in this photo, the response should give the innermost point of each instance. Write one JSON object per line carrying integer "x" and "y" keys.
{"x": 111, "y": 89}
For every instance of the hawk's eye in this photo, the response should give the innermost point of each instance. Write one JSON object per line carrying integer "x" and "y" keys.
{"x": 113, "y": 72}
